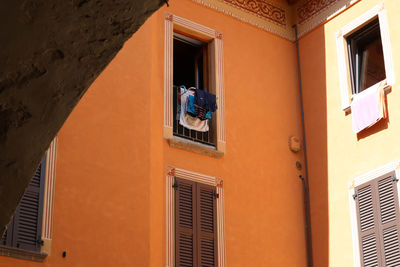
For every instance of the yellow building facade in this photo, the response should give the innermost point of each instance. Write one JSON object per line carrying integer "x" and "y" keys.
{"x": 339, "y": 159}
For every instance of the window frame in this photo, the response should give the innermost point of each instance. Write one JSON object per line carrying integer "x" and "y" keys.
{"x": 171, "y": 173}
{"x": 390, "y": 168}
{"x": 377, "y": 12}
{"x": 194, "y": 30}
{"x": 200, "y": 80}
{"x": 355, "y": 42}
{"x": 47, "y": 213}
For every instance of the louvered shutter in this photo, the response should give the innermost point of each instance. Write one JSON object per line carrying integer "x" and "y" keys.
{"x": 389, "y": 220}
{"x": 185, "y": 212}
{"x": 368, "y": 225}
{"x": 378, "y": 222}
{"x": 27, "y": 223}
{"x": 3, "y": 240}
{"x": 7, "y": 237}
{"x": 206, "y": 221}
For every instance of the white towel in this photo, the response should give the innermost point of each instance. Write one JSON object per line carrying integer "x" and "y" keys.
{"x": 368, "y": 107}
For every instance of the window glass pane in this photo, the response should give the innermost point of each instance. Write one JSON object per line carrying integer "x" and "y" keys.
{"x": 366, "y": 61}
{"x": 373, "y": 66}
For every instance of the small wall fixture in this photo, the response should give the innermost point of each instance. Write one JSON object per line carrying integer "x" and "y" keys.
{"x": 294, "y": 143}
{"x": 298, "y": 165}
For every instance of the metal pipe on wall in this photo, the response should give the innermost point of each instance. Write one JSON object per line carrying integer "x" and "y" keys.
{"x": 304, "y": 179}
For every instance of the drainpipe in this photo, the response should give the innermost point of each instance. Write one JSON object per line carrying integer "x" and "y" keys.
{"x": 304, "y": 179}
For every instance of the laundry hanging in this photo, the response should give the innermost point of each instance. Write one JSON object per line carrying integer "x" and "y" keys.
{"x": 368, "y": 107}
{"x": 185, "y": 119}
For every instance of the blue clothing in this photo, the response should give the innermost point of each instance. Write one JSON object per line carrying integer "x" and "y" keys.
{"x": 190, "y": 107}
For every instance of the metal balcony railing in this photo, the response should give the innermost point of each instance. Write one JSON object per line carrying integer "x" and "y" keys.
{"x": 180, "y": 131}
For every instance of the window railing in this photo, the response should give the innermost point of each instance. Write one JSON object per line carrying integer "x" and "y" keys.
{"x": 193, "y": 135}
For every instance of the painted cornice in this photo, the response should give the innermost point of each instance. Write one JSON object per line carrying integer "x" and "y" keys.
{"x": 278, "y": 17}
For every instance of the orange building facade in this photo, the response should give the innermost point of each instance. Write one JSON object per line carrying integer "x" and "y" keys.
{"x": 117, "y": 171}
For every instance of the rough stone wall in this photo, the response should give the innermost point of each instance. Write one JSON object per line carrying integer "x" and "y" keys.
{"x": 51, "y": 51}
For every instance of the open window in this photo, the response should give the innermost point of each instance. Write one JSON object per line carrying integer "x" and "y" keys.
{"x": 190, "y": 62}
{"x": 364, "y": 54}
{"x": 193, "y": 58}
{"x": 191, "y": 69}
{"x": 367, "y": 65}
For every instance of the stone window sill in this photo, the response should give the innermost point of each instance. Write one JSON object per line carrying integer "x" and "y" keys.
{"x": 188, "y": 145}
{"x": 22, "y": 254}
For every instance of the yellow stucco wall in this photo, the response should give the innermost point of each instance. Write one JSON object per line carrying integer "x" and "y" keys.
{"x": 337, "y": 155}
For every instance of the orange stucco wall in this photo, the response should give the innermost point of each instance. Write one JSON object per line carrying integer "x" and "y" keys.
{"x": 336, "y": 154}
{"x": 101, "y": 210}
{"x": 312, "y": 58}
{"x": 110, "y": 189}
{"x": 262, "y": 106}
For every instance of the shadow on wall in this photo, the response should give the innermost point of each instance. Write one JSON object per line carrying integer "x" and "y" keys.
{"x": 312, "y": 59}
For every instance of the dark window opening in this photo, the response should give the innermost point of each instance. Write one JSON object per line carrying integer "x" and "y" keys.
{"x": 367, "y": 66}
{"x": 190, "y": 68}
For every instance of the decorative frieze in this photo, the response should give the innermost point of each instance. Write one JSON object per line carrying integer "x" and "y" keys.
{"x": 278, "y": 17}
{"x": 262, "y": 9}
{"x": 312, "y": 7}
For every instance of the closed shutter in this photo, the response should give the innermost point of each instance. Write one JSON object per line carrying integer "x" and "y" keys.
{"x": 3, "y": 239}
{"x": 389, "y": 221}
{"x": 25, "y": 229}
{"x": 185, "y": 212}
{"x": 378, "y": 222}
{"x": 195, "y": 224}
{"x": 207, "y": 220}
{"x": 368, "y": 226}
{"x": 7, "y": 237}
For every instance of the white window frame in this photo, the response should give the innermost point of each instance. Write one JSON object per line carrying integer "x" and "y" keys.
{"x": 175, "y": 23}
{"x": 49, "y": 194}
{"x": 391, "y": 167}
{"x": 48, "y": 207}
{"x": 171, "y": 173}
{"x": 341, "y": 44}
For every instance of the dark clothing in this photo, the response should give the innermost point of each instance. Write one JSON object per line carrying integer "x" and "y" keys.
{"x": 201, "y": 113}
{"x": 205, "y": 100}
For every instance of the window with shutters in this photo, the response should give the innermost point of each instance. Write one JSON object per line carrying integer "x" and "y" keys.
{"x": 29, "y": 234}
{"x": 25, "y": 229}
{"x": 193, "y": 58}
{"x": 195, "y": 223}
{"x": 377, "y": 219}
{"x": 364, "y": 54}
